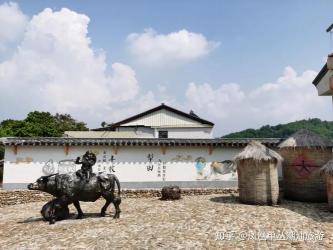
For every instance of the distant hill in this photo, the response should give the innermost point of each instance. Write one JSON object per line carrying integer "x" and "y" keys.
{"x": 323, "y": 128}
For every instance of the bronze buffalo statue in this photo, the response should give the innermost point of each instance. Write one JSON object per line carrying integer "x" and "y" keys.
{"x": 71, "y": 188}
{"x": 54, "y": 211}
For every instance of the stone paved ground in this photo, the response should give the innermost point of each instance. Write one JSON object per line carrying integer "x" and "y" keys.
{"x": 194, "y": 222}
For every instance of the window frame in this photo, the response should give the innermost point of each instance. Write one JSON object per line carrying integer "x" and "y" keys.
{"x": 163, "y": 134}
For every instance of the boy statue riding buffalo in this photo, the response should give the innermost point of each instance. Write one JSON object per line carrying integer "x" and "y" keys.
{"x": 83, "y": 185}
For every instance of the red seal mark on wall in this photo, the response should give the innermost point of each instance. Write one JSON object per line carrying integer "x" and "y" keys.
{"x": 303, "y": 166}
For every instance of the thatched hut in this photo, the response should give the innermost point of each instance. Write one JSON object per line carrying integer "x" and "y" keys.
{"x": 304, "y": 153}
{"x": 327, "y": 172}
{"x": 258, "y": 174}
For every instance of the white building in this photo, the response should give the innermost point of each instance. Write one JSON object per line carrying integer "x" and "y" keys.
{"x": 164, "y": 122}
{"x": 158, "y": 147}
{"x": 324, "y": 79}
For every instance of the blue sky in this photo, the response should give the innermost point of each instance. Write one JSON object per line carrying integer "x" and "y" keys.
{"x": 252, "y": 34}
{"x": 252, "y": 43}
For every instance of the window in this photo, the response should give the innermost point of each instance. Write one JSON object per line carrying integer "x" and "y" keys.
{"x": 163, "y": 134}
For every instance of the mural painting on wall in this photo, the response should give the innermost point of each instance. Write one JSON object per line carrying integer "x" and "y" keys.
{"x": 66, "y": 166}
{"x": 161, "y": 170}
{"x": 160, "y": 167}
{"x": 304, "y": 166}
{"x": 104, "y": 164}
{"x": 182, "y": 158}
{"x": 24, "y": 159}
{"x": 200, "y": 164}
{"x": 150, "y": 166}
{"x": 224, "y": 170}
{"x": 49, "y": 167}
{"x": 61, "y": 167}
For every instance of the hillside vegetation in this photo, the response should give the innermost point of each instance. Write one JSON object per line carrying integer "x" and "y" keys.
{"x": 323, "y": 128}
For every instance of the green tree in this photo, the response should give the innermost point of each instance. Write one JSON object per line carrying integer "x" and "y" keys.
{"x": 2, "y": 153}
{"x": 39, "y": 124}
{"x": 66, "y": 123}
{"x": 103, "y": 124}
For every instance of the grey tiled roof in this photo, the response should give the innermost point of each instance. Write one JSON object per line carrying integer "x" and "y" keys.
{"x": 58, "y": 141}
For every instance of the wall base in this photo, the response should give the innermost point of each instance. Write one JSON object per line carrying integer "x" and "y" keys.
{"x": 149, "y": 185}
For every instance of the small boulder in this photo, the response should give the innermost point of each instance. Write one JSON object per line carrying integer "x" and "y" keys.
{"x": 170, "y": 193}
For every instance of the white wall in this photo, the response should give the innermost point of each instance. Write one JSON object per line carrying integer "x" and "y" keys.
{"x": 323, "y": 86}
{"x": 141, "y": 132}
{"x": 193, "y": 133}
{"x": 165, "y": 118}
{"x": 130, "y": 163}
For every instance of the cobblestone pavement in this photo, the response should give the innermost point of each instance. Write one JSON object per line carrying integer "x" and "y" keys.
{"x": 194, "y": 222}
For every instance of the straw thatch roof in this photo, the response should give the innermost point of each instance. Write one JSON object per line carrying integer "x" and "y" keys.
{"x": 327, "y": 169}
{"x": 305, "y": 138}
{"x": 258, "y": 152}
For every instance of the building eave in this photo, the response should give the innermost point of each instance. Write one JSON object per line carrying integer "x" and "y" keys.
{"x": 64, "y": 141}
{"x": 320, "y": 75}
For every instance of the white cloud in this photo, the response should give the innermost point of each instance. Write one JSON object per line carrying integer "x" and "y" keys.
{"x": 289, "y": 98}
{"x": 54, "y": 68}
{"x": 142, "y": 103}
{"x": 130, "y": 108}
{"x": 122, "y": 83}
{"x": 204, "y": 97}
{"x": 153, "y": 48}
{"x": 12, "y": 24}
